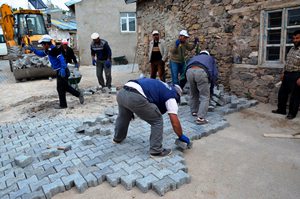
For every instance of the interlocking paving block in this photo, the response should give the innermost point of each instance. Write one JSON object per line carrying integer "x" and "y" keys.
{"x": 23, "y": 160}
{"x": 20, "y": 192}
{"x": 101, "y": 174}
{"x": 91, "y": 180}
{"x": 164, "y": 185}
{"x": 87, "y": 141}
{"x": 144, "y": 184}
{"x": 34, "y": 195}
{"x": 49, "y": 153}
{"x": 53, "y": 188}
{"x": 24, "y": 183}
{"x": 114, "y": 178}
{"x": 129, "y": 181}
{"x": 180, "y": 178}
{"x": 37, "y": 185}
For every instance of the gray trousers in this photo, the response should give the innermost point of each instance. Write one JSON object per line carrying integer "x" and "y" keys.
{"x": 100, "y": 66}
{"x": 199, "y": 91}
{"x": 129, "y": 103}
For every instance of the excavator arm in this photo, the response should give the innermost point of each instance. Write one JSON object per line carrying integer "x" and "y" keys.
{"x": 7, "y": 24}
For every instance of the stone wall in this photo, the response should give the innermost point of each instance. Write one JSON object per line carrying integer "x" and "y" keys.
{"x": 231, "y": 32}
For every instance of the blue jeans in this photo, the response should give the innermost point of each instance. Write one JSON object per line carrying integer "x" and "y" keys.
{"x": 176, "y": 69}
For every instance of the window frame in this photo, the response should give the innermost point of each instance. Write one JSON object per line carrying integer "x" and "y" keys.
{"x": 283, "y": 38}
{"x": 127, "y": 18}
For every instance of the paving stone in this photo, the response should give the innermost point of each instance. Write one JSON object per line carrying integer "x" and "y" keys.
{"x": 144, "y": 184}
{"x": 180, "y": 178}
{"x": 8, "y": 190}
{"x": 20, "y": 192}
{"x": 129, "y": 181}
{"x": 47, "y": 172}
{"x": 53, "y": 188}
{"x": 35, "y": 186}
{"x": 34, "y": 195}
{"x": 58, "y": 175}
{"x": 24, "y": 183}
{"x": 102, "y": 173}
{"x": 23, "y": 160}
{"x": 91, "y": 180}
{"x": 49, "y": 153}
{"x": 75, "y": 179}
{"x": 87, "y": 141}
{"x": 115, "y": 178}
{"x": 164, "y": 185}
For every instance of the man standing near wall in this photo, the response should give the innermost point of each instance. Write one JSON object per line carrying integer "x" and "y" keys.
{"x": 101, "y": 58}
{"x": 158, "y": 53}
{"x": 290, "y": 81}
{"x": 177, "y": 59}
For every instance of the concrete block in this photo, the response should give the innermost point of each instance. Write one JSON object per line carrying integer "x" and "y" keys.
{"x": 183, "y": 145}
{"x": 24, "y": 183}
{"x": 37, "y": 185}
{"x": 132, "y": 168}
{"x": 162, "y": 173}
{"x": 53, "y": 188}
{"x": 91, "y": 180}
{"x": 47, "y": 172}
{"x": 164, "y": 185}
{"x": 58, "y": 175}
{"x": 19, "y": 193}
{"x": 75, "y": 180}
{"x": 105, "y": 121}
{"x": 87, "y": 141}
{"x": 9, "y": 190}
{"x": 105, "y": 164}
{"x": 129, "y": 181}
{"x": 101, "y": 174}
{"x": 148, "y": 170}
{"x": 34, "y": 195}
{"x": 180, "y": 178}
{"x": 106, "y": 131}
{"x": 119, "y": 166}
{"x": 144, "y": 184}
{"x": 109, "y": 112}
{"x": 115, "y": 178}
{"x": 179, "y": 166}
{"x": 23, "y": 160}
{"x": 112, "y": 119}
{"x": 49, "y": 153}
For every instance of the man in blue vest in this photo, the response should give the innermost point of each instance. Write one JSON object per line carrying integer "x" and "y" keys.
{"x": 149, "y": 99}
{"x": 58, "y": 63}
{"x": 202, "y": 74}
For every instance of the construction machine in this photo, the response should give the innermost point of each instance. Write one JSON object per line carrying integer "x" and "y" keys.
{"x": 21, "y": 28}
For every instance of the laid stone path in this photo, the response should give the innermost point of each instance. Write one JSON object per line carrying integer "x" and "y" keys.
{"x": 41, "y": 157}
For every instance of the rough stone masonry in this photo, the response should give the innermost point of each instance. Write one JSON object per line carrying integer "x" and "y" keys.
{"x": 41, "y": 157}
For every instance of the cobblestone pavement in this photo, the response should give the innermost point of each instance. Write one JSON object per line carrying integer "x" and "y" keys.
{"x": 41, "y": 157}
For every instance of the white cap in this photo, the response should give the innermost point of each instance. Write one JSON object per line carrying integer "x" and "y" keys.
{"x": 45, "y": 38}
{"x": 204, "y": 51}
{"x": 178, "y": 89}
{"x": 155, "y": 32}
{"x": 95, "y": 35}
{"x": 184, "y": 33}
{"x": 64, "y": 41}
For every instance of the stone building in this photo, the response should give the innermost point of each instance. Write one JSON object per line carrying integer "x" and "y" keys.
{"x": 114, "y": 20}
{"x": 249, "y": 38}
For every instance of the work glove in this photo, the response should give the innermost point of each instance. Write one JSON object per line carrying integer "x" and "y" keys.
{"x": 177, "y": 43}
{"x": 94, "y": 62}
{"x": 196, "y": 40}
{"x": 76, "y": 65}
{"x": 185, "y": 139}
{"x": 62, "y": 72}
{"x": 29, "y": 47}
{"x": 107, "y": 64}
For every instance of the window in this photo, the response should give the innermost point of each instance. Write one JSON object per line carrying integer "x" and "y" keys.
{"x": 128, "y": 22}
{"x": 279, "y": 26}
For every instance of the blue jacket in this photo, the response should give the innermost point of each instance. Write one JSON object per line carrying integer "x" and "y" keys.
{"x": 157, "y": 92}
{"x": 56, "y": 59}
{"x": 210, "y": 66}
{"x": 102, "y": 50}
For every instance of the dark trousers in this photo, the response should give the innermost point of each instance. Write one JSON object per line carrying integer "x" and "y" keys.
{"x": 100, "y": 66}
{"x": 289, "y": 86}
{"x": 158, "y": 66}
{"x": 62, "y": 87}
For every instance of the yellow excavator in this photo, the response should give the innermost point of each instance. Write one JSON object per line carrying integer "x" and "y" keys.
{"x": 20, "y": 28}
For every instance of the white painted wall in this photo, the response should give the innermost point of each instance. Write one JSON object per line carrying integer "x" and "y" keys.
{"x": 103, "y": 16}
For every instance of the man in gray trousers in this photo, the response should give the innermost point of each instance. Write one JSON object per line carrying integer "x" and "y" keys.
{"x": 149, "y": 99}
{"x": 202, "y": 74}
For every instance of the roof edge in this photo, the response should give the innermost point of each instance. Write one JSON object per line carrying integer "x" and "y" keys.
{"x": 130, "y": 1}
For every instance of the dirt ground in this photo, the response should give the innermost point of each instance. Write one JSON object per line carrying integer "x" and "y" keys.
{"x": 237, "y": 162}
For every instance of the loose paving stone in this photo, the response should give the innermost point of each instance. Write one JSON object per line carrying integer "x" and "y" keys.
{"x": 23, "y": 160}
{"x": 91, "y": 161}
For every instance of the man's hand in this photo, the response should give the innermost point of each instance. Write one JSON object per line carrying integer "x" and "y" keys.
{"x": 29, "y": 47}
{"x": 94, "y": 61}
{"x": 177, "y": 43}
{"x": 298, "y": 81}
{"x": 185, "y": 139}
{"x": 107, "y": 64}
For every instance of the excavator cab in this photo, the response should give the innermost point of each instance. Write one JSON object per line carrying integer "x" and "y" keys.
{"x": 29, "y": 28}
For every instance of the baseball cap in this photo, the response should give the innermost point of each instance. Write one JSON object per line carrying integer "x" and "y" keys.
{"x": 45, "y": 38}
{"x": 95, "y": 35}
{"x": 204, "y": 51}
{"x": 64, "y": 41}
{"x": 184, "y": 33}
{"x": 155, "y": 32}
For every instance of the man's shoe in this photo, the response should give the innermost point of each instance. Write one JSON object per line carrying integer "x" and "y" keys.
{"x": 279, "y": 112}
{"x": 116, "y": 142}
{"x": 163, "y": 153}
{"x": 81, "y": 98}
{"x": 290, "y": 116}
{"x": 60, "y": 107}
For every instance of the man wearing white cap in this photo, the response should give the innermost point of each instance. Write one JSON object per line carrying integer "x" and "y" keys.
{"x": 158, "y": 53}
{"x": 178, "y": 53}
{"x": 101, "y": 58}
{"x": 202, "y": 74}
{"x": 58, "y": 64}
{"x": 68, "y": 53}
